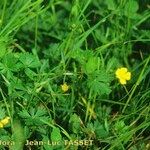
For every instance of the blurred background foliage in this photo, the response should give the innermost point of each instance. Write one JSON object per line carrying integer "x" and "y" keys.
{"x": 46, "y": 43}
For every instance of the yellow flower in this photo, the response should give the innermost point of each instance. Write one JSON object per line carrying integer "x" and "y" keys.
{"x": 123, "y": 75}
{"x": 65, "y": 87}
{"x": 1, "y": 125}
{"x": 4, "y": 122}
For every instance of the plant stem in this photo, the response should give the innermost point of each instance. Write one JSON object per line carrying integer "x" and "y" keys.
{"x": 136, "y": 84}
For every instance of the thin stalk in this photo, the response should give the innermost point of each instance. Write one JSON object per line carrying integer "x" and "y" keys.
{"x": 136, "y": 84}
{"x": 36, "y": 31}
{"x": 3, "y": 12}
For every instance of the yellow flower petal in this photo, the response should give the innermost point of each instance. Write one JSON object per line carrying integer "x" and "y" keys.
{"x": 122, "y": 81}
{"x": 121, "y": 71}
{"x": 117, "y": 72}
{"x": 1, "y": 125}
{"x": 65, "y": 87}
{"x": 128, "y": 75}
{"x": 122, "y": 74}
{"x": 5, "y": 121}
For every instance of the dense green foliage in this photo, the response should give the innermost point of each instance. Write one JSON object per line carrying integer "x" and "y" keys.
{"x": 45, "y": 44}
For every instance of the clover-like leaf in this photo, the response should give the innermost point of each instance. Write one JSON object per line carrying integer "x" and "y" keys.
{"x": 131, "y": 8}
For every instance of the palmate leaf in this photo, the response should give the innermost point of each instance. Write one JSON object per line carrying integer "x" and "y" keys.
{"x": 51, "y": 51}
{"x": 81, "y": 56}
{"x": 8, "y": 63}
{"x": 121, "y": 127}
{"x": 34, "y": 117}
{"x": 29, "y": 60}
{"x": 100, "y": 130}
{"x": 99, "y": 87}
{"x": 99, "y": 82}
{"x": 91, "y": 65}
{"x": 88, "y": 61}
{"x": 16, "y": 84}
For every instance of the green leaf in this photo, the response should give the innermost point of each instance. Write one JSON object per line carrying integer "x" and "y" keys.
{"x": 100, "y": 130}
{"x": 99, "y": 82}
{"x": 52, "y": 53}
{"x": 121, "y": 127}
{"x": 31, "y": 74}
{"x": 82, "y": 57}
{"x": 46, "y": 146}
{"x": 91, "y": 65}
{"x": 111, "y": 64}
{"x": 34, "y": 117}
{"x": 9, "y": 62}
{"x": 2, "y": 112}
{"x": 110, "y": 4}
{"x": 102, "y": 76}
{"x": 75, "y": 10}
{"x": 40, "y": 112}
{"x": 29, "y": 60}
{"x": 75, "y": 123}
{"x": 99, "y": 87}
{"x": 131, "y": 8}
{"x": 24, "y": 114}
{"x": 15, "y": 84}
{"x": 17, "y": 136}
{"x": 2, "y": 49}
{"x": 56, "y": 135}
{"x": 105, "y": 88}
